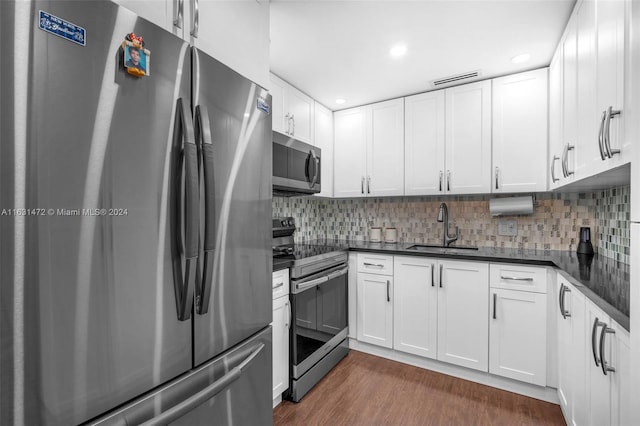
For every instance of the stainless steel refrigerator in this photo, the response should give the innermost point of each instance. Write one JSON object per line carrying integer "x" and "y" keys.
{"x": 135, "y": 267}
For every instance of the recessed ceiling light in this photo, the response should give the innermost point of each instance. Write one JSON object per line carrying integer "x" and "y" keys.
{"x": 398, "y": 51}
{"x": 518, "y": 59}
{"x": 340, "y": 101}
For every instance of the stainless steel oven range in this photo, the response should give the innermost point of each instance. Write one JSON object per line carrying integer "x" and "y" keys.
{"x": 318, "y": 304}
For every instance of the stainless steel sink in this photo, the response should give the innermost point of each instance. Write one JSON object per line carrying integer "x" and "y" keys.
{"x": 441, "y": 249}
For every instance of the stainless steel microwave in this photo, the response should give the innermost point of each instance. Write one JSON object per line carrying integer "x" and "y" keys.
{"x": 296, "y": 166}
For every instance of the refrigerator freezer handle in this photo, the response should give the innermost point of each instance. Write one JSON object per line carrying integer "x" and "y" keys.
{"x": 184, "y": 140}
{"x": 204, "y": 395}
{"x": 205, "y": 143}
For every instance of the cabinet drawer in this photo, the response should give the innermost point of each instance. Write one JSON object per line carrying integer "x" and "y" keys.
{"x": 375, "y": 264}
{"x": 280, "y": 283}
{"x": 518, "y": 277}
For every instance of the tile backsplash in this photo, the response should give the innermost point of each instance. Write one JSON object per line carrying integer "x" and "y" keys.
{"x": 555, "y": 224}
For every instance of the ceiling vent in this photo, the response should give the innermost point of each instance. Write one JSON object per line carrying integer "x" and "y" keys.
{"x": 455, "y": 78}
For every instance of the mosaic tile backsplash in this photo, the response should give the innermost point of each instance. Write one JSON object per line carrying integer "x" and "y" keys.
{"x": 555, "y": 224}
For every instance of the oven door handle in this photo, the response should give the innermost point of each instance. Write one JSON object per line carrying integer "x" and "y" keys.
{"x": 321, "y": 280}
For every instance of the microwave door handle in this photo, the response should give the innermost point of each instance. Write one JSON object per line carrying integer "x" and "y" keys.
{"x": 184, "y": 146}
{"x": 203, "y": 136}
{"x": 316, "y": 162}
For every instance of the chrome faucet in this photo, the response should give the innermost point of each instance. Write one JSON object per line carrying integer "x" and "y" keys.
{"x": 443, "y": 216}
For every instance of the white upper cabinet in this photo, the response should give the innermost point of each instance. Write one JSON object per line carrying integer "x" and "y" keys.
{"x": 235, "y": 33}
{"x": 293, "y": 111}
{"x": 424, "y": 144}
{"x": 385, "y": 152}
{"x": 350, "y": 151}
{"x": 369, "y": 150}
{"x": 520, "y": 110}
{"x": 555, "y": 120}
{"x": 468, "y": 138}
{"x": 610, "y": 72}
{"x": 569, "y": 102}
{"x": 323, "y": 138}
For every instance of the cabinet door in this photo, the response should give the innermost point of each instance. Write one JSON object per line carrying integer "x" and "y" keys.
{"x": 415, "y": 308}
{"x": 468, "y": 135}
{"x": 566, "y": 301}
{"x": 569, "y": 101}
{"x": 385, "y": 153}
{"x": 375, "y": 310}
{"x": 352, "y": 129}
{"x": 463, "y": 314}
{"x": 518, "y": 335}
{"x": 598, "y": 403}
{"x": 235, "y": 33}
{"x": 610, "y": 72}
{"x": 621, "y": 379}
{"x": 588, "y": 118}
{"x": 280, "y": 326}
{"x": 323, "y": 139}
{"x": 424, "y": 143}
{"x": 277, "y": 88}
{"x": 520, "y": 112}
{"x": 300, "y": 108}
{"x": 160, "y": 12}
{"x": 555, "y": 120}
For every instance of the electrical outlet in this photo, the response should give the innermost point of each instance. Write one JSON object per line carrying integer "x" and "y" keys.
{"x": 508, "y": 228}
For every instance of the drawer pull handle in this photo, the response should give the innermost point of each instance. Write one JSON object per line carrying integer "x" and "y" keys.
{"x": 377, "y": 265}
{"x": 516, "y": 278}
{"x": 280, "y": 284}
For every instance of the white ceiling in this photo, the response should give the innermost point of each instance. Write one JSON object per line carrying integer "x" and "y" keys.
{"x": 340, "y": 49}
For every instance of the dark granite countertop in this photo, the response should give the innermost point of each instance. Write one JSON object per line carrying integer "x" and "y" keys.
{"x": 279, "y": 264}
{"x": 602, "y": 280}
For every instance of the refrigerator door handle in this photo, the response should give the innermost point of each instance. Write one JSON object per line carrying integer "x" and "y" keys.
{"x": 184, "y": 144}
{"x": 204, "y": 395}
{"x": 205, "y": 144}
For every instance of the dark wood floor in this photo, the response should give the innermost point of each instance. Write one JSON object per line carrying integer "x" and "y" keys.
{"x": 367, "y": 390}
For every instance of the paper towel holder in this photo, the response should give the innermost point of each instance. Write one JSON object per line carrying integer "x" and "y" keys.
{"x": 512, "y": 206}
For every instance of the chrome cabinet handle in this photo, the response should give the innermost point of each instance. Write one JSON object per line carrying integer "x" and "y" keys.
{"x": 368, "y": 184}
{"x": 440, "y": 182}
{"x": 516, "y": 278}
{"x": 560, "y": 294}
{"x": 565, "y": 160}
{"x": 497, "y": 171}
{"x": 433, "y": 284}
{"x": 607, "y": 132}
{"x": 495, "y": 301}
{"x": 388, "y": 294}
{"x": 286, "y": 323}
{"x": 448, "y": 180}
{"x": 179, "y": 18}
{"x": 594, "y": 335}
{"x": 287, "y": 130}
{"x": 196, "y": 18}
{"x": 554, "y": 179}
{"x": 377, "y": 265}
{"x": 362, "y": 185}
{"x": 280, "y": 284}
{"x": 440, "y": 276}
{"x": 564, "y": 312}
{"x": 293, "y": 127}
{"x": 603, "y": 362}
{"x": 603, "y": 154}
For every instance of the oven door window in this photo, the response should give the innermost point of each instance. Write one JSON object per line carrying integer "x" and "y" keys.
{"x": 320, "y": 313}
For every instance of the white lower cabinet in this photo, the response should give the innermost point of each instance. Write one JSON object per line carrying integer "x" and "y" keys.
{"x": 415, "y": 306}
{"x": 375, "y": 307}
{"x": 608, "y": 370}
{"x": 518, "y": 323}
{"x": 280, "y": 327}
{"x": 463, "y": 313}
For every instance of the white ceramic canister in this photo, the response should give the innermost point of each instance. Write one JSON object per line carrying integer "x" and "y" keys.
{"x": 375, "y": 235}
{"x": 390, "y": 235}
